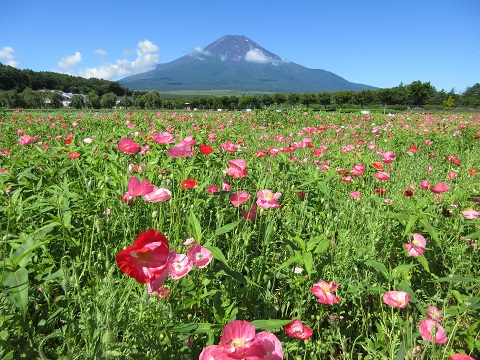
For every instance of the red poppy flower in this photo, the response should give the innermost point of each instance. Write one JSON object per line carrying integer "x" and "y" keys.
{"x": 205, "y": 149}
{"x": 413, "y": 148}
{"x": 73, "y": 155}
{"x": 147, "y": 258}
{"x": 377, "y": 165}
{"x": 473, "y": 171}
{"x": 189, "y": 183}
{"x": 408, "y": 193}
{"x": 67, "y": 141}
{"x": 297, "y": 330}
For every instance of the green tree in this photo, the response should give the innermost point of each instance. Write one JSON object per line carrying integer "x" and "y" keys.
{"x": 93, "y": 100}
{"x": 448, "y": 103}
{"x": 125, "y": 102}
{"x": 307, "y": 99}
{"x": 363, "y": 97}
{"x": 342, "y": 97}
{"x": 55, "y": 99}
{"x": 280, "y": 99}
{"x": 385, "y": 96}
{"x": 77, "y": 101}
{"x": 153, "y": 100}
{"x": 418, "y": 92}
{"x": 293, "y": 99}
{"x": 31, "y": 99}
{"x": 325, "y": 98}
{"x": 108, "y": 100}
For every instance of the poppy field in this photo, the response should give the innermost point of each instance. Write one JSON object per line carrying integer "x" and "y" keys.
{"x": 239, "y": 235}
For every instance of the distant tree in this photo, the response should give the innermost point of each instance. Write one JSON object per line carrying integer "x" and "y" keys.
{"x": 307, "y": 99}
{"x": 418, "y": 92}
{"x": 31, "y": 99}
{"x": 386, "y": 97}
{"x": 125, "y": 102}
{"x": 249, "y": 101}
{"x": 55, "y": 99}
{"x": 153, "y": 100}
{"x": 471, "y": 96}
{"x": 93, "y": 100}
{"x": 279, "y": 98}
{"x": 325, "y": 98}
{"x": 293, "y": 99}
{"x": 108, "y": 100}
{"x": 448, "y": 103}
{"x": 77, "y": 101}
{"x": 10, "y": 99}
{"x": 342, "y": 97}
{"x": 363, "y": 97}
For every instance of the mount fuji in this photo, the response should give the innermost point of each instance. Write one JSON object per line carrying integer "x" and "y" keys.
{"x": 236, "y": 63}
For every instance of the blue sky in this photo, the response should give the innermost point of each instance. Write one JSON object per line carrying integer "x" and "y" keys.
{"x": 376, "y": 42}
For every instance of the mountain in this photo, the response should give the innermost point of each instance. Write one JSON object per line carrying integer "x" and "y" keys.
{"x": 237, "y": 63}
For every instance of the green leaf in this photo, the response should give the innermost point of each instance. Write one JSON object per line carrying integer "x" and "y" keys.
{"x": 458, "y": 278}
{"x": 472, "y": 235}
{"x": 423, "y": 261}
{"x": 431, "y": 230}
{"x": 196, "y": 228}
{"x": 294, "y": 259}
{"x": 400, "y": 269}
{"x": 268, "y": 325}
{"x": 226, "y": 228}
{"x": 193, "y": 328}
{"x": 378, "y": 266}
{"x": 300, "y": 242}
{"x": 410, "y": 223}
{"x": 402, "y": 352}
{"x": 308, "y": 262}
{"x": 322, "y": 246}
{"x": 17, "y": 289}
{"x": 216, "y": 252}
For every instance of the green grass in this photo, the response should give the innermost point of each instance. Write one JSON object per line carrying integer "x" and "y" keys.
{"x": 62, "y": 223}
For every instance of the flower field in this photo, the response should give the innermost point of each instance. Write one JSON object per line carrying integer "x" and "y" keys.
{"x": 230, "y": 235}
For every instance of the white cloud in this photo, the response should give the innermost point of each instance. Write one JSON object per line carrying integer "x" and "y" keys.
{"x": 200, "y": 53}
{"x": 68, "y": 61}
{"x": 147, "y": 58}
{"x": 100, "y": 52}
{"x": 7, "y": 54}
{"x": 256, "y": 55}
{"x": 127, "y": 52}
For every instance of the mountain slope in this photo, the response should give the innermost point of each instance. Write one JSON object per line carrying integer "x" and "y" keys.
{"x": 237, "y": 63}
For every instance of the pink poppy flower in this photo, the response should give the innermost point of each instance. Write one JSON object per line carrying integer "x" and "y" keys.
{"x": 424, "y": 184}
{"x": 128, "y": 146}
{"x": 237, "y": 168}
{"x": 229, "y": 147}
{"x": 179, "y": 265}
{"x": 358, "y": 169}
{"x": 189, "y": 241}
{"x": 199, "y": 255}
{"x": 225, "y": 185}
{"x": 266, "y": 199}
{"x": 163, "y": 138}
{"x": 388, "y": 157}
{"x": 239, "y": 341}
{"x": 189, "y": 140}
{"x": 212, "y": 189}
{"x": 439, "y": 188}
{"x": 382, "y": 175}
{"x": 136, "y": 188}
{"x": 452, "y": 175}
{"x": 417, "y": 246}
{"x": 398, "y": 299}
{"x": 470, "y": 213}
{"x": 355, "y": 195}
{"x": 180, "y": 150}
{"x": 434, "y": 314}
{"x": 158, "y": 194}
{"x": 25, "y": 140}
{"x": 297, "y": 330}
{"x": 146, "y": 259}
{"x": 73, "y": 155}
{"x": 239, "y": 198}
{"x": 250, "y": 215}
{"x": 432, "y": 331}
{"x": 459, "y": 356}
{"x": 323, "y": 291}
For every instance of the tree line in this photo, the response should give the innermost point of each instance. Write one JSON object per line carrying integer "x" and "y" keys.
{"x": 27, "y": 89}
